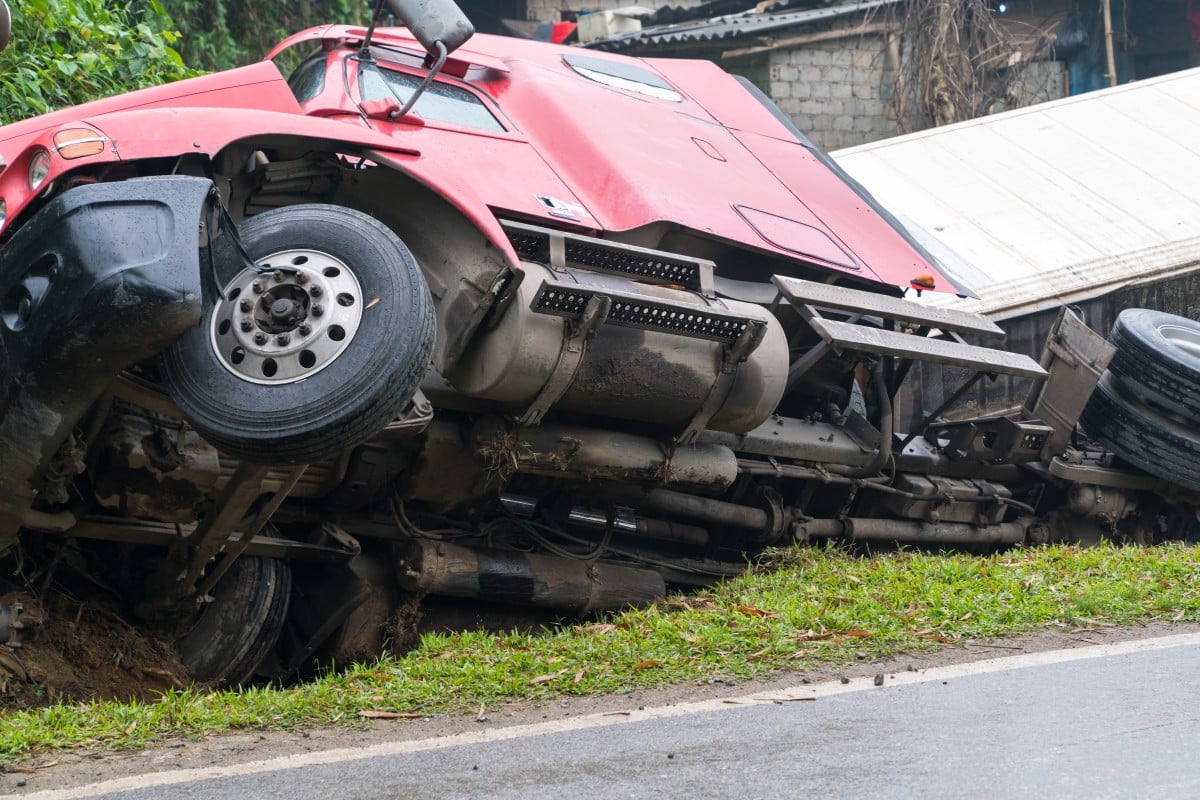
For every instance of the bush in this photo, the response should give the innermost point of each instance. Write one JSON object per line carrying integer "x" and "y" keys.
{"x": 66, "y": 52}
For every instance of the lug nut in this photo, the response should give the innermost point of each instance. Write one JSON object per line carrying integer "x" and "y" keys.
{"x": 260, "y": 338}
{"x": 245, "y": 304}
{"x": 305, "y": 329}
{"x": 257, "y": 287}
{"x": 247, "y": 325}
{"x": 279, "y": 276}
{"x": 302, "y": 278}
{"x": 282, "y": 339}
{"x": 317, "y": 309}
{"x": 316, "y": 291}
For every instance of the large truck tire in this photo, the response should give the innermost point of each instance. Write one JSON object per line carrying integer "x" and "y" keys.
{"x": 232, "y": 634}
{"x": 308, "y": 353}
{"x": 1158, "y": 359}
{"x": 1141, "y": 435}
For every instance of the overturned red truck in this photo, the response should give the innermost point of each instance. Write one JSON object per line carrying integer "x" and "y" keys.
{"x": 486, "y": 318}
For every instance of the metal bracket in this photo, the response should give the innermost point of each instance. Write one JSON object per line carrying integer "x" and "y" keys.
{"x": 734, "y": 354}
{"x": 575, "y": 337}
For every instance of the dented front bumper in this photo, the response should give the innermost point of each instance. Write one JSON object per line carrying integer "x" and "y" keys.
{"x": 105, "y": 276}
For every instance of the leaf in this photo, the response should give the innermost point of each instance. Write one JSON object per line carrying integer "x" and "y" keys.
{"x": 372, "y": 714}
{"x": 579, "y": 675}
{"x": 649, "y": 663}
{"x": 601, "y": 627}
{"x": 757, "y": 612}
{"x": 545, "y": 678}
{"x": 856, "y": 634}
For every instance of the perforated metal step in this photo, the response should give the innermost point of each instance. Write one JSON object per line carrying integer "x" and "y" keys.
{"x": 809, "y": 299}
{"x": 638, "y": 311}
{"x": 878, "y": 305}
{"x": 559, "y": 250}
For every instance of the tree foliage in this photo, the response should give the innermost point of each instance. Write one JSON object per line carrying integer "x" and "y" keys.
{"x": 219, "y": 34}
{"x": 66, "y": 52}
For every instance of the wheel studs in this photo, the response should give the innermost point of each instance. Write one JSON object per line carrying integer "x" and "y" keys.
{"x": 282, "y": 339}
{"x": 245, "y": 304}
{"x": 302, "y": 278}
{"x": 257, "y": 287}
{"x": 305, "y": 329}
{"x": 317, "y": 309}
{"x": 316, "y": 291}
{"x": 260, "y": 338}
{"x": 279, "y": 276}
{"x": 247, "y": 325}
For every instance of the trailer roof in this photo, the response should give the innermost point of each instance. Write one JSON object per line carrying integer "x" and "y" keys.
{"x": 1053, "y": 203}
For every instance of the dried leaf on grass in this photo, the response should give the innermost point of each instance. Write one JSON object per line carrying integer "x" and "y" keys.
{"x": 757, "y": 612}
{"x": 649, "y": 663}
{"x": 372, "y": 714}
{"x": 546, "y": 678}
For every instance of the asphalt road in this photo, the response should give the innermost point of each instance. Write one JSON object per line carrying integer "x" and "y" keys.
{"x": 1120, "y": 721}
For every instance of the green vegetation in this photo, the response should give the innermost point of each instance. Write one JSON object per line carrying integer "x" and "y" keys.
{"x": 804, "y": 608}
{"x": 66, "y": 52}
{"x": 219, "y": 34}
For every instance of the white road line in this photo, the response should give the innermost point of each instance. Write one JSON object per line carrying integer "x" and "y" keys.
{"x": 803, "y": 692}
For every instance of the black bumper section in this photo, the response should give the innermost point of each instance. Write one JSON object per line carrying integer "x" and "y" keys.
{"x": 103, "y": 277}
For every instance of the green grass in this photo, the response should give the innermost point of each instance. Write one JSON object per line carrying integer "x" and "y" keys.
{"x": 809, "y": 607}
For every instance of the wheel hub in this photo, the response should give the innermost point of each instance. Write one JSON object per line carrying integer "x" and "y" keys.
{"x": 287, "y": 320}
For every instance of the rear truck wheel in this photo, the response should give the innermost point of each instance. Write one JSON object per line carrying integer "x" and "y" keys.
{"x": 307, "y": 355}
{"x": 1142, "y": 435}
{"x": 1158, "y": 359}
{"x": 231, "y": 635}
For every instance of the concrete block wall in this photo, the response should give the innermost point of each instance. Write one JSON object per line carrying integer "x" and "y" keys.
{"x": 839, "y": 92}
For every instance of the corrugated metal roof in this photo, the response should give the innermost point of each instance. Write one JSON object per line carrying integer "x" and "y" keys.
{"x": 731, "y": 26}
{"x": 1054, "y": 203}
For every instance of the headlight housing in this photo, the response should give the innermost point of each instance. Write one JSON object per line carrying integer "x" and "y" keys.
{"x": 39, "y": 168}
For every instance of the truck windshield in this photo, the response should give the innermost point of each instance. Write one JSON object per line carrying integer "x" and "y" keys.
{"x": 442, "y": 102}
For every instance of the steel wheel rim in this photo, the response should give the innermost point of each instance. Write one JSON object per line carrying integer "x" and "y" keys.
{"x": 1181, "y": 338}
{"x": 288, "y": 319}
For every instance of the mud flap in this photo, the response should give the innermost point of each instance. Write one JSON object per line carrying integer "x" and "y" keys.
{"x": 105, "y": 276}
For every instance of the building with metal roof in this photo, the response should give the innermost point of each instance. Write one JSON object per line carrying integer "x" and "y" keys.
{"x": 734, "y": 26}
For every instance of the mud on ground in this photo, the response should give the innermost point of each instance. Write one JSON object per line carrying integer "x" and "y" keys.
{"x": 76, "y": 650}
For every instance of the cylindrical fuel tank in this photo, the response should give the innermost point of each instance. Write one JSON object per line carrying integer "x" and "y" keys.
{"x": 627, "y": 373}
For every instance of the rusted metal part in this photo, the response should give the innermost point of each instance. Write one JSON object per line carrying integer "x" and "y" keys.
{"x": 198, "y": 548}
{"x": 689, "y": 506}
{"x": 234, "y": 549}
{"x": 1074, "y": 357}
{"x": 1102, "y": 476}
{"x": 166, "y": 536}
{"x": 991, "y": 441}
{"x": 11, "y": 624}
{"x": 801, "y": 439}
{"x": 148, "y": 470}
{"x": 892, "y": 530}
{"x": 1101, "y": 503}
{"x": 580, "y": 587}
{"x": 578, "y": 453}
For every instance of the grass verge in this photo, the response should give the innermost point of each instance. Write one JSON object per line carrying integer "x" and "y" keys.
{"x": 804, "y": 608}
